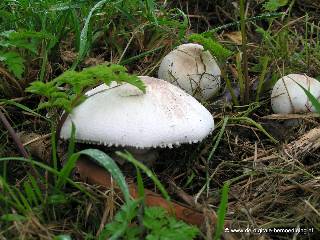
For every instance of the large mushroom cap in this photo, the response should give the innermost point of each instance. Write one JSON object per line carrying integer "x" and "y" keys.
{"x": 124, "y": 116}
{"x": 192, "y": 69}
{"x": 288, "y": 97}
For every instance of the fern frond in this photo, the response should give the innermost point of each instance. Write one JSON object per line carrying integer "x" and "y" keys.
{"x": 78, "y": 82}
{"x": 14, "y": 62}
{"x": 215, "y": 48}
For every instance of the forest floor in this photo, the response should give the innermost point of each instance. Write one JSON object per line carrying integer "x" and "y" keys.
{"x": 270, "y": 161}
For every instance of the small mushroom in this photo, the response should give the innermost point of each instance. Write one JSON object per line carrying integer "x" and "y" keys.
{"x": 288, "y": 97}
{"x": 124, "y": 116}
{"x": 192, "y": 69}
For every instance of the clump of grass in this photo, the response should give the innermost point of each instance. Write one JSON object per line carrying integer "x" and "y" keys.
{"x": 41, "y": 31}
{"x": 35, "y": 204}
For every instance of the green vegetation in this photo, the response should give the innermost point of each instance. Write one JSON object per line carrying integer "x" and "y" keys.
{"x": 157, "y": 224}
{"x": 244, "y": 175}
{"x": 78, "y": 82}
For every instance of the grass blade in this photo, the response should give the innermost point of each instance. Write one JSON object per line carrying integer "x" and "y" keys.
{"x": 264, "y": 63}
{"x": 222, "y": 211}
{"x": 24, "y": 108}
{"x": 84, "y": 33}
{"x": 150, "y": 6}
{"x": 66, "y": 170}
{"x": 140, "y": 183}
{"x": 314, "y": 101}
{"x": 108, "y": 163}
{"x": 149, "y": 173}
{"x": 12, "y": 217}
{"x": 257, "y": 125}
{"x": 54, "y": 153}
{"x": 10, "y": 191}
{"x": 224, "y": 124}
{"x": 45, "y": 167}
{"x": 30, "y": 194}
{"x": 36, "y": 189}
{"x": 71, "y": 145}
{"x": 216, "y": 143}
{"x": 139, "y": 56}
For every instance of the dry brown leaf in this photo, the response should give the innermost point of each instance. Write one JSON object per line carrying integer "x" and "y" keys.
{"x": 235, "y": 37}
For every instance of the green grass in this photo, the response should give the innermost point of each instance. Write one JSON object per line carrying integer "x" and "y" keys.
{"x": 223, "y": 207}
{"x": 35, "y": 31}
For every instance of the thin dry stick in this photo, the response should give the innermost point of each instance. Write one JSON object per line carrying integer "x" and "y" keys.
{"x": 39, "y": 138}
{"x": 126, "y": 48}
{"x": 13, "y": 134}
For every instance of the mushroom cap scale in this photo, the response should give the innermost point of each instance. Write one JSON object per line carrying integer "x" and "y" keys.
{"x": 288, "y": 97}
{"x": 101, "y": 88}
{"x": 162, "y": 117}
{"x": 192, "y": 69}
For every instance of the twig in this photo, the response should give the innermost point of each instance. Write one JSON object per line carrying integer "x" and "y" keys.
{"x": 290, "y": 116}
{"x": 126, "y": 48}
{"x": 13, "y": 134}
{"x": 37, "y": 139}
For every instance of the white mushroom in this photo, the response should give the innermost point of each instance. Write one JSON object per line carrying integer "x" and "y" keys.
{"x": 288, "y": 97}
{"x": 123, "y": 116}
{"x": 192, "y": 69}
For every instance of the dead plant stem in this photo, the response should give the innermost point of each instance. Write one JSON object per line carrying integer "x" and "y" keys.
{"x": 13, "y": 134}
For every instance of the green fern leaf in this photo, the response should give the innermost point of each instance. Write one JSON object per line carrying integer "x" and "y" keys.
{"x": 14, "y": 62}
{"x": 215, "y": 48}
{"x": 78, "y": 82}
{"x": 274, "y": 5}
{"x": 41, "y": 88}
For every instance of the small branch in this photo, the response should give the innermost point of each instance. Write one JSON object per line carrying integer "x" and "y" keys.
{"x": 39, "y": 138}
{"x": 13, "y": 134}
{"x": 126, "y": 48}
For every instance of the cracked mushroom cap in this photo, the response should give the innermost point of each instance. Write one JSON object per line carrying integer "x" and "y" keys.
{"x": 288, "y": 97}
{"x": 192, "y": 69}
{"x": 123, "y": 116}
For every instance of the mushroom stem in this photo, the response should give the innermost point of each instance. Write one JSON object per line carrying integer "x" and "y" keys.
{"x": 147, "y": 156}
